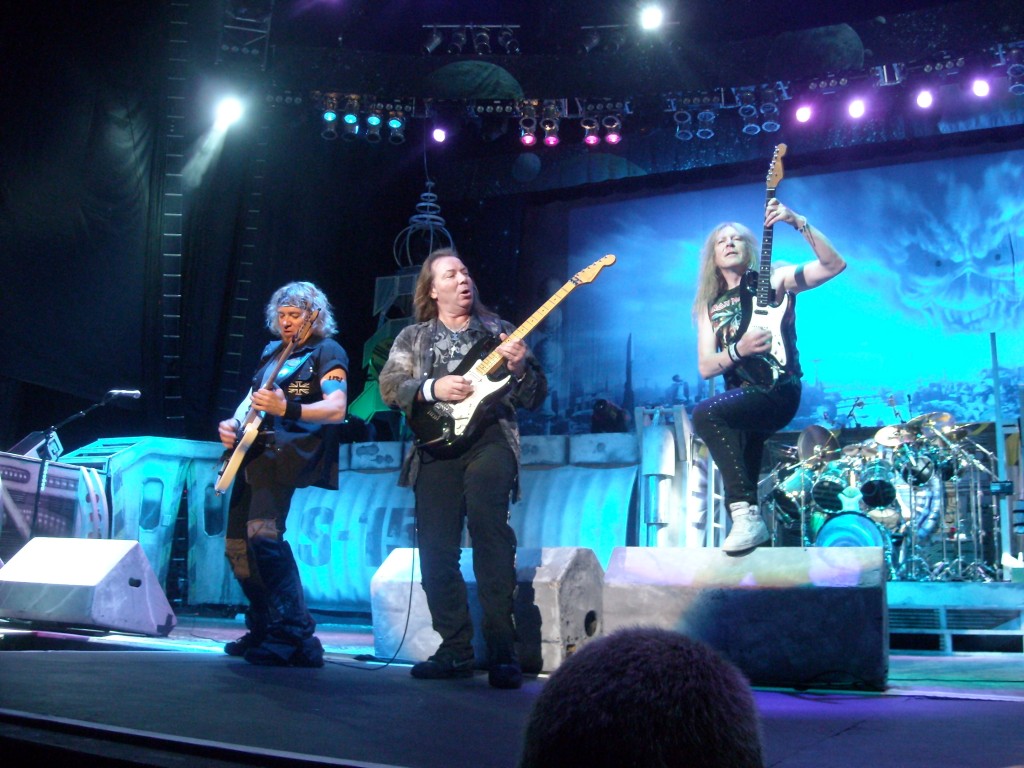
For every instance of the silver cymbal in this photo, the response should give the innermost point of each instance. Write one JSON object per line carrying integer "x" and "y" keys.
{"x": 817, "y": 442}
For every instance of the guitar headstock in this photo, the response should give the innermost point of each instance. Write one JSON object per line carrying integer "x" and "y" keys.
{"x": 307, "y": 326}
{"x": 775, "y": 170}
{"x": 590, "y": 273}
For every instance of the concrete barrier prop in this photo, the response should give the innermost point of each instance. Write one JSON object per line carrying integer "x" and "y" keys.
{"x": 557, "y": 608}
{"x": 787, "y": 616}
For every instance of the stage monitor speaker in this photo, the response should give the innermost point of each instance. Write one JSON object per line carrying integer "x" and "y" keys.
{"x": 85, "y": 583}
{"x": 787, "y": 616}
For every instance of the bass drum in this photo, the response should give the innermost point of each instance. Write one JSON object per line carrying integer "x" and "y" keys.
{"x": 852, "y": 529}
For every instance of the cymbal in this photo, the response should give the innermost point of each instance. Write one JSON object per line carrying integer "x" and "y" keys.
{"x": 926, "y": 423}
{"x": 956, "y": 433}
{"x": 891, "y": 437}
{"x": 817, "y": 442}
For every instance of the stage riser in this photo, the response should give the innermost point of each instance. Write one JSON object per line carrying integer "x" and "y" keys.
{"x": 787, "y": 617}
{"x": 557, "y": 607}
{"x": 90, "y": 583}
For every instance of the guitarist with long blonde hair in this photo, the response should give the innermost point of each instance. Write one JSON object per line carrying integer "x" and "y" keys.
{"x": 283, "y": 436}
{"x": 746, "y": 333}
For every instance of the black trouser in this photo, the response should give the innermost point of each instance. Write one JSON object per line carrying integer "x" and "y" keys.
{"x": 263, "y": 562}
{"x": 476, "y": 486}
{"x": 735, "y": 425}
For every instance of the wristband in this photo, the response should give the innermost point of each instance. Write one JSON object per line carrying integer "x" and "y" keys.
{"x": 428, "y": 390}
{"x": 734, "y": 353}
{"x": 293, "y": 410}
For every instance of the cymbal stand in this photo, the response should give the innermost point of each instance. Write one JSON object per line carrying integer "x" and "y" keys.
{"x": 978, "y": 569}
{"x": 913, "y": 567}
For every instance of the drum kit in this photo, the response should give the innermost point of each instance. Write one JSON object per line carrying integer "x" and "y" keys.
{"x": 913, "y": 489}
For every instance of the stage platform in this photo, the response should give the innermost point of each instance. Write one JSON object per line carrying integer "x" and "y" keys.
{"x": 110, "y": 699}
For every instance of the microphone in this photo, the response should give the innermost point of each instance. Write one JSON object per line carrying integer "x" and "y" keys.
{"x": 113, "y": 394}
{"x": 891, "y": 402}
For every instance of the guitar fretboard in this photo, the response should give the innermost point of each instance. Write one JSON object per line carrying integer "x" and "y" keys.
{"x": 764, "y": 272}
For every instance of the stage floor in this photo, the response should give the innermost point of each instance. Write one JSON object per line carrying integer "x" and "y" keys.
{"x": 180, "y": 701}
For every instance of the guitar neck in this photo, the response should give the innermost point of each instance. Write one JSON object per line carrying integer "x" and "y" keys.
{"x": 764, "y": 271}
{"x": 493, "y": 361}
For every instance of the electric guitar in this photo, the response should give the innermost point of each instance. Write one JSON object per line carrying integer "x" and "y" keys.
{"x": 250, "y": 426}
{"x": 760, "y": 310}
{"x": 444, "y": 425}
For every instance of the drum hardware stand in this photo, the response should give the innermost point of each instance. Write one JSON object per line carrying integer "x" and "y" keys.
{"x": 911, "y": 561}
{"x": 978, "y": 568}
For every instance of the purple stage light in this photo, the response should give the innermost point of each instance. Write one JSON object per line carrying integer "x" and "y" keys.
{"x": 803, "y": 114}
{"x": 924, "y": 98}
{"x": 857, "y": 108}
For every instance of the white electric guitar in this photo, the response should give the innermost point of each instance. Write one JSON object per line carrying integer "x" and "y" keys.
{"x": 760, "y": 309}
{"x": 442, "y": 424}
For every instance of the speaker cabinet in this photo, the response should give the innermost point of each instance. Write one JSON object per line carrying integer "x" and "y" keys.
{"x": 87, "y": 583}
{"x": 786, "y": 616}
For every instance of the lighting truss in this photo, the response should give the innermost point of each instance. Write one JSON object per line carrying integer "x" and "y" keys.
{"x": 458, "y": 39}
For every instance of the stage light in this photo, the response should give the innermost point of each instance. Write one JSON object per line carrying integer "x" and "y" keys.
{"x": 804, "y": 113}
{"x": 229, "y": 111}
{"x": 330, "y": 129}
{"x": 684, "y": 125}
{"x": 350, "y": 115}
{"x": 433, "y": 41}
{"x": 980, "y": 87}
{"x": 527, "y": 124}
{"x": 924, "y": 98}
{"x": 1015, "y": 72}
{"x": 770, "y": 111}
{"x": 481, "y": 41}
{"x": 705, "y": 124}
{"x": 349, "y": 131}
{"x": 457, "y": 41}
{"x": 591, "y": 133}
{"x": 651, "y": 17}
{"x": 750, "y": 125}
{"x": 439, "y": 134}
{"x": 612, "y": 128}
{"x": 613, "y": 40}
{"x": 374, "y": 121}
{"x": 590, "y": 40}
{"x": 507, "y": 41}
{"x": 856, "y": 108}
{"x": 549, "y": 123}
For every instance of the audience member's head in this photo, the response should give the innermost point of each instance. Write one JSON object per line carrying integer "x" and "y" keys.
{"x": 644, "y": 698}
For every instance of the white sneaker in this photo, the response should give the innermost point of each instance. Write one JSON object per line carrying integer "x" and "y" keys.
{"x": 748, "y": 529}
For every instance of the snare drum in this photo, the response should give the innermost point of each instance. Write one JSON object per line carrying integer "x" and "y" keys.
{"x": 836, "y": 476}
{"x": 852, "y": 529}
{"x": 877, "y": 484}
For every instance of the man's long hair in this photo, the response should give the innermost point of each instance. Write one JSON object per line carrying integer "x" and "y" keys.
{"x": 424, "y": 307}
{"x": 304, "y": 296}
{"x": 710, "y": 282}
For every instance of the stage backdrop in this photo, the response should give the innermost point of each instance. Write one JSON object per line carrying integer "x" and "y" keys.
{"x": 933, "y": 280}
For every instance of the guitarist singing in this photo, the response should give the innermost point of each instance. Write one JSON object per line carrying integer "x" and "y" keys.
{"x": 755, "y": 354}
{"x": 474, "y": 479}
{"x": 296, "y": 446}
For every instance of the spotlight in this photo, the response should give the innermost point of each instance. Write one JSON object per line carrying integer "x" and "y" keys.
{"x": 439, "y": 134}
{"x": 550, "y": 124}
{"x": 349, "y": 131}
{"x": 457, "y": 41}
{"x": 750, "y": 125}
{"x": 433, "y": 42}
{"x": 1015, "y": 72}
{"x": 229, "y": 111}
{"x": 350, "y": 115}
{"x": 856, "y": 108}
{"x": 507, "y": 40}
{"x": 374, "y": 121}
{"x": 651, "y": 17}
{"x": 330, "y": 107}
{"x": 924, "y": 98}
{"x": 330, "y": 129}
{"x": 396, "y": 128}
{"x": 980, "y": 87}
{"x": 481, "y": 41}
{"x": 612, "y": 128}
{"x": 705, "y": 124}
{"x": 528, "y": 125}
{"x": 614, "y": 40}
{"x": 591, "y": 39}
{"x": 684, "y": 125}
{"x": 803, "y": 113}
{"x": 591, "y": 134}
{"x": 770, "y": 110}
